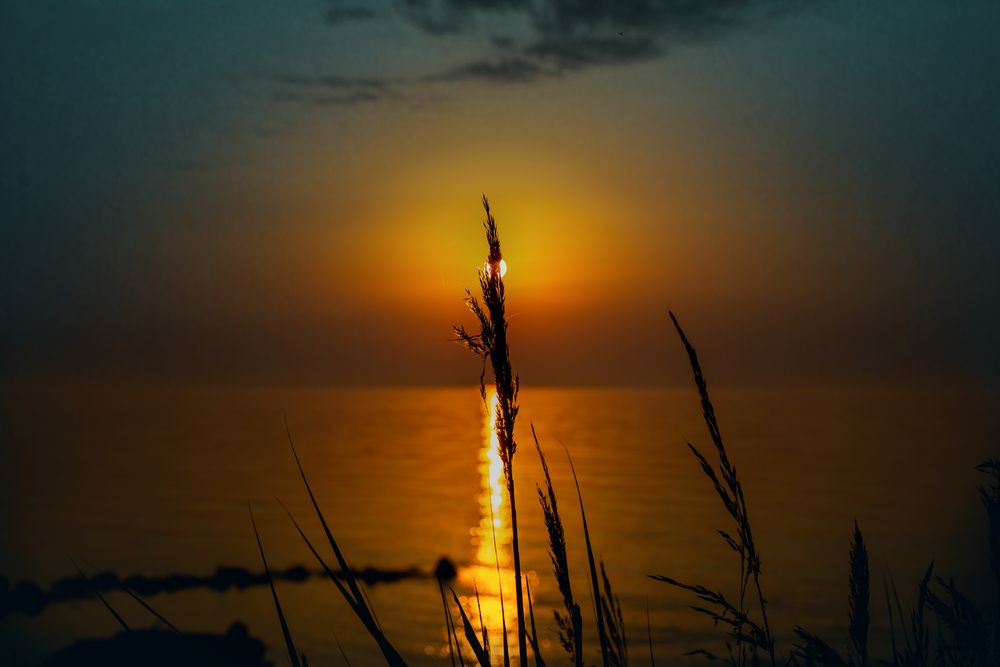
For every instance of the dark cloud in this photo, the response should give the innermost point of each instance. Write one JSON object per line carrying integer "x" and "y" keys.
{"x": 502, "y": 42}
{"x": 557, "y": 37}
{"x": 442, "y": 17}
{"x": 332, "y": 90}
{"x": 504, "y": 70}
{"x": 336, "y": 15}
{"x": 569, "y": 35}
{"x": 570, "y": 53}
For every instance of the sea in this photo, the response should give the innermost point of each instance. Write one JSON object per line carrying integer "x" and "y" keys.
{"x": 138, "y": 479}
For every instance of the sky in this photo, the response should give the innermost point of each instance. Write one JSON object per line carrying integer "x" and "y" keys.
{"x": 265, "y": 192}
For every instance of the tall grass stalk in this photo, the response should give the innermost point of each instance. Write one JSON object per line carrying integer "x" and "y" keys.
{"x": 748, "y": 635}
{"x": 490, "y": 343}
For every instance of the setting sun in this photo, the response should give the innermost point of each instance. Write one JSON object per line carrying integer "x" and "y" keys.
{"x": 488, "y": 268}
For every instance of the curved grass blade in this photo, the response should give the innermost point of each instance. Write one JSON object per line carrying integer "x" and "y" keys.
{"x": 355, "y": 598}
{"x": 649, "y": 636}
{"x": 595, "y": 586}
{"x": 107, "y": 605}
{"x": 482, "y": 628}
{"x": 293, "y": 655}
{"x": 470, "y": 635}
{"x": 341, "y": 649}
{"x": 145, "y": 605}
{"x": 533, "y": 637}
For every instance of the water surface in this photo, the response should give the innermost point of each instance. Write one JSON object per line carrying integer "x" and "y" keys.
{"x": 156, "y": 480}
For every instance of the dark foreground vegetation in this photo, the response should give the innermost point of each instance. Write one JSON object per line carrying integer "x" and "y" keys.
{"x": 943, "y": 628}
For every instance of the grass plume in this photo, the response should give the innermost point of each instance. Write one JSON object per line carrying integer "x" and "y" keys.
{"x": 489, "y": 341}
{"x": 727, "y": 485}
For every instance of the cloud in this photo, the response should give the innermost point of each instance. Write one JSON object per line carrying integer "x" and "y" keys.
{"x": 564, "y": 36}
{"x": 504, "y": 70}
{"x": 332, "y": 90}
{"x": 540, "y": 39}
{"x": 337, "y": 14}
{"x": 571, "y": 53}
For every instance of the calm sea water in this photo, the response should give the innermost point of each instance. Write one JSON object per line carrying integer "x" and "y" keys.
{"x": 154, "y": 481}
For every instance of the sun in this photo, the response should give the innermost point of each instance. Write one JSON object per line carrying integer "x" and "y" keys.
{"x": 488, "y": 268}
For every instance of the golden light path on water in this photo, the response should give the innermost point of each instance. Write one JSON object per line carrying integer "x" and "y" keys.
{"x": 491, "y": 540}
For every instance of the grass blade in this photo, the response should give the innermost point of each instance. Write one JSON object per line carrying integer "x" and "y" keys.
{"x": 858, "y": 601}
{"x": 571, "y": 624}
{"x": 533, "y": 637}
{"x": 107, "y": 605}
{"x": 594, "y": 585}
{"x": 293, "y": 655}
{"x": 448, "y": 626}
{"x": 341, "y": 649}
{"x": 649, "y": 637}
{"x": 482, "y": 627}
{"x": 132, "y": 594}
{"x": 355, "y": 597}
{"x": 470, "y": 635}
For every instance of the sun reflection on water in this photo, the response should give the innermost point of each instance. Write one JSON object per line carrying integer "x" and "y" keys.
{"x": 491, "y": 539}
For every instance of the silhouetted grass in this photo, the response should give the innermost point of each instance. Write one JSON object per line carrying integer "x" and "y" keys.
{"x": 481, "y": 653}
{"x": 595, "y": 587}
{"x": 569, "y": 623}
{"x": 960, "y": 636}
{"x": 293, "y": 655}
{"x": 352, "y": 594}
{"x": 859, "y": 598}
{"x": 533, "y": 637}
{"x": 490, "y": 343}
{"x": 748, "y": 634}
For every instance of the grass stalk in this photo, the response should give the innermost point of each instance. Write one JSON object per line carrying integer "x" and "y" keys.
{"x": 490, "y": 343}
{"x": 730, "y": 490}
